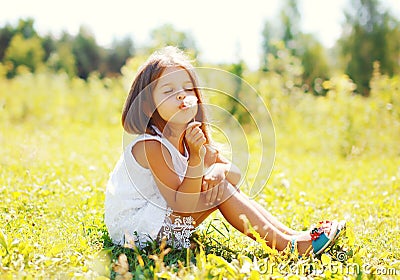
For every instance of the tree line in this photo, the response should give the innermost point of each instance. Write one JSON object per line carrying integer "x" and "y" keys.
{"x": 77, "y": 55}
{"x": 369, "y": 34}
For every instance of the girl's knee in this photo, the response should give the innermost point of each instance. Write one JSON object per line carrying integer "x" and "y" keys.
{"x": 206, "y": 205}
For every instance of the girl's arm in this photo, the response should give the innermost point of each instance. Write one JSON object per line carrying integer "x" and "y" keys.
{"x": 180, "y": 196}
{"x": 232, "y": 172}
{"x": 221, "y": 168}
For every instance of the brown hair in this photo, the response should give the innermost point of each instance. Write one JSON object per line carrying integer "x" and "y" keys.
{"x": 135, "y": 116}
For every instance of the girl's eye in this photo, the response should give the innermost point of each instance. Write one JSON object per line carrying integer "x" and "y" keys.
{"x": 168, "y": 90}
{"x": 189, "y": 89}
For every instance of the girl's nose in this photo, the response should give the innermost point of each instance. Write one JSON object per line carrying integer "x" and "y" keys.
{"x": 180, "y": 96}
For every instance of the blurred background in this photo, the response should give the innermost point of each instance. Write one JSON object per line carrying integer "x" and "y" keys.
{"x": 328, "y": 71}
{"x": 81, "y": 37}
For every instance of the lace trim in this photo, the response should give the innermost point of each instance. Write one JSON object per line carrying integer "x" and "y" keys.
{"x": 177, "y": 233}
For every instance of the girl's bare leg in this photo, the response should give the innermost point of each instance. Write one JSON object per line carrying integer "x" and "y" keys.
{"x": 201, "y": 216}
{"x": 238, "y": 204}
{"x": 273, "y": 220}
{"x": 235, "y": 204}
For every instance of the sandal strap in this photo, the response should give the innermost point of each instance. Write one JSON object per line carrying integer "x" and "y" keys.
{"x": 293, "y": 246}
{"x": 323, "y": 236}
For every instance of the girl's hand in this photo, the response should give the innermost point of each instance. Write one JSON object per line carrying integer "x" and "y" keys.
{"x": 195, "y": 139}
{"x": 214, "y": 183}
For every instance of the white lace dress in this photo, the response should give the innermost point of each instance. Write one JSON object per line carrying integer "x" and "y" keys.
{"x": 134, "y": 206}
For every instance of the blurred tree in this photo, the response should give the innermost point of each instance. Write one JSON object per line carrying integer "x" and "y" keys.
{"x": 315, "y": 63}
{"x": 21, "y": 51}
{"x": 167, "y": 35}
{"x": 286, "y": 31}
{"x": 76, "y": 55}
{"x": 26, "y": 28}
{"x": 288, "y": 67}
{"x": 117, "y": 56}
{"x": 49, "y": 46}
{"x": 268, "y": 46}
{"x": 370, "y": 34}
{"x": 290, "y": 18}
{"x": 237, "y": 69}
{"x": 6, "y": 34}
{"x": 303, "y": 46}
{"x": 87, "y": 53}
{"x": 62, "y": 59}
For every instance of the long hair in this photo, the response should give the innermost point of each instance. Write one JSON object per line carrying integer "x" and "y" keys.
{"x": 135, "y": 116}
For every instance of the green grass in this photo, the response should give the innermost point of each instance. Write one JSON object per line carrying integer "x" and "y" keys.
{"x": 60, "y": 139}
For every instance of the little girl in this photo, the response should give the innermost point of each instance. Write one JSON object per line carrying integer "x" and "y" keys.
{"x": 170, "y": 177}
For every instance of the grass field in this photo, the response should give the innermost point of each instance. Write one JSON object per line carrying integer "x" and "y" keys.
{"x": 337, "y": 157}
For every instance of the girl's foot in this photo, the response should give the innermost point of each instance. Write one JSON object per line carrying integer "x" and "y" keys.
{"x": 319, "y": 238}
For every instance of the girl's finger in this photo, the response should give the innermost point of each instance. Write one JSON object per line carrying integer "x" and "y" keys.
{"x": 197, "y": 137}
{"x": 191, "y": 126}
{"x": 199, "y": 141}
{"x": 194, "y": 138}
{"x": 213, "y": 195}
{"x": 196, "y": 132}
{"x": 209, "y": 193}
{"x": 204, "y": 186}
{"x": 221, "y": 188}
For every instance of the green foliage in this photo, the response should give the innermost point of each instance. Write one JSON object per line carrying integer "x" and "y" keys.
{"x": 288, "y": 37}
{"x": 234, "y": 109}
{"x": 87, "y": 53}
{"x": 25, "y": 40}
{"x": 24, "y": 53}
{"x": 284, "y": 69}
{"x": 22, "y": 48}
{"x": 370, "y": 34}
{"x": 6, "y": 33}
{"x": 52, "y": 183}
{"x": 315, "y": 64}
{"x": 290, "y": 18}
{"x": 62, "y": 60}
{"x": 342, "y": 122}
{"x": 120, "y": 51}
{"x": 167, "y": 35}
{"x": 26, "y": 28}
{"x": 49, "y": 46}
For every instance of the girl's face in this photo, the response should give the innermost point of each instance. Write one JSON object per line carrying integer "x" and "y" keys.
{"x": 174, "y": 96}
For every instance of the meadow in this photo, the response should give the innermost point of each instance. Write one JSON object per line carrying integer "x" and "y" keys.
{"x": 336, "y": 157}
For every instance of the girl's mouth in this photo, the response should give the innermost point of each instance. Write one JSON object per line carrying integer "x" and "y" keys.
{"x": 189, "y": 101}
